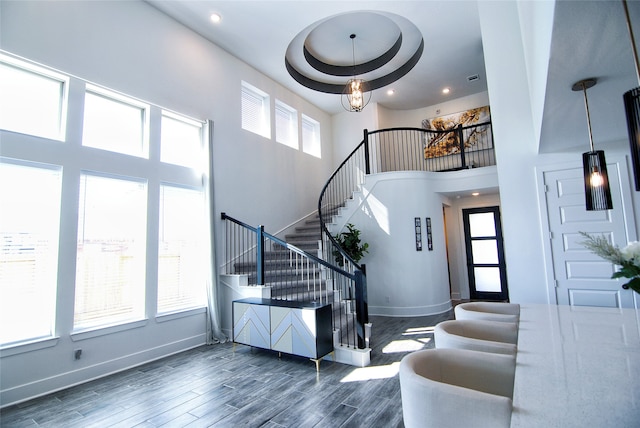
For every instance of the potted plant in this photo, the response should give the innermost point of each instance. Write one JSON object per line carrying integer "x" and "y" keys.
{"x": 350, "y": 243}
{"x": 628, "y": 258}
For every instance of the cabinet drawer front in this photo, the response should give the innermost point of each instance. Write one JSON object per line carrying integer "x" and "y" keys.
{"x": 281, "y": 334}
{"x": 251, "y": 325}
{"x": 294, "y": 331}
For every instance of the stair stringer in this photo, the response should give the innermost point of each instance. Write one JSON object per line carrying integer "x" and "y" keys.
{"x": 346, "y": 212}
{"x": 343, "y": 354}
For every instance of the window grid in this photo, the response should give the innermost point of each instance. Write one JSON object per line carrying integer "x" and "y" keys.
{"x": 38, "y": 321}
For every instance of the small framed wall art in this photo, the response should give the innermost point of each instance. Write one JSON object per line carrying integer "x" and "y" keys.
{"x": 418, "y": 228}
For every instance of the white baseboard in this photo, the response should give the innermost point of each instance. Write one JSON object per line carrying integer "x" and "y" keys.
{"x": 415, "y": 311}
{"x": 61, "y": 381}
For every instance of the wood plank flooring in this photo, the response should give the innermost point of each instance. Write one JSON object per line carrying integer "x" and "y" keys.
{"x": 213, "y": 386}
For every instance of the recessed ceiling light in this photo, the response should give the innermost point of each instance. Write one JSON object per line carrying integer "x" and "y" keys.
{"x": 475, "y": 194}
{"x": 391, "y": 91}
{"x": 215, "y": 18}
{"x": 446, "y": 90}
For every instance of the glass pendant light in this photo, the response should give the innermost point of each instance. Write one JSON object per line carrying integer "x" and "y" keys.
{"x": 355, "y": 95}
{"x": 596, "y": 180}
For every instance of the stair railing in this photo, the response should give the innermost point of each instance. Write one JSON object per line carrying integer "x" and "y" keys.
{"x": 395, "y": 149}
{"x": 295, "y": 275}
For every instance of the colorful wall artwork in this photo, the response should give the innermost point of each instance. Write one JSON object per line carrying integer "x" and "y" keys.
{"x": 446, "y": 143}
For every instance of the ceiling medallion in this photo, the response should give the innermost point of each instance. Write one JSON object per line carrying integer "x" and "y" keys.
{"x": 389, "y": 46}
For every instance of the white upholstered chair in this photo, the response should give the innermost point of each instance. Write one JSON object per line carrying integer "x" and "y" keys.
{"x": 456, "y": 388}
{"x": 477, "y": 335}
{"x": 489, "y": 311}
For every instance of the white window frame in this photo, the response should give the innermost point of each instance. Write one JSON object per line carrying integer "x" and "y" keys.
{"x": 286, "y": 124}
{"x": 144, "y": 108}
{"x": 75, "y": 159}
{"x": 313, "y": 147}
{"x": 141, "y": 251}
{"x": 198, "y": 247}
{"x": 196, "y": 152}
{"x": 46, "y": 294}
{"x": 258, "y": 119}
{"x": 29, "y": 67}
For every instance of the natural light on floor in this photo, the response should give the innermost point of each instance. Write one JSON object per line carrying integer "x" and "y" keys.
{"x": 372, "y": 372}
{"x": 403, "y": 346}
{"x": 408, "y": 345}
{"x": 418, "y": 330}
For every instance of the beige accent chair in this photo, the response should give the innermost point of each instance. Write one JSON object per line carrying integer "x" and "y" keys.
{"x": 484, "y": 336}
{"x": 456, "y": 388}
{"x": 488, "y": 311}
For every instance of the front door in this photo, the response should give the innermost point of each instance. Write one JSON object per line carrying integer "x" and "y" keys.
{"x": 485, "y": 254}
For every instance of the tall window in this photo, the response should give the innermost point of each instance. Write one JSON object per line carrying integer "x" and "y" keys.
{"x": 255, "y": 110}
{"x": 110, "y": 269}
{"x": 181, "y": 140}
{"x": 32, "y": 100}
{"x": 182, "y": 252}
{"x": 29, "y": 227}
{"x": 311, "y": 136}
{"x": 115, "y": 123}
{"x": 110, "y": 193}
{"x": 286, "y": 125}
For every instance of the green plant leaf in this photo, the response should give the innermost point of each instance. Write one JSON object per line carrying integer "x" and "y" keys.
{"x": 634, "y": 284}
{"x": 349, "y": 241}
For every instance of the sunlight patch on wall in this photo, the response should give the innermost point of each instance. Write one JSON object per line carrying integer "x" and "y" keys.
{"x": 378, "y": 210}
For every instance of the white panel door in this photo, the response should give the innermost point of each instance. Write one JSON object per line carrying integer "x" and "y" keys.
{"x": 582, "y": 278}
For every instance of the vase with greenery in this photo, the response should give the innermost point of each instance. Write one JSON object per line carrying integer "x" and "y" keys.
{"x": 628, "y": 258}
{"x": 351, "y": 244}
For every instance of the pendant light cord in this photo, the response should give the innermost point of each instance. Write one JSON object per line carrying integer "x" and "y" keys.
{"x": 586, "y": 105}
{"x": 633, "y": 41}
{"x": 353, "y": 53}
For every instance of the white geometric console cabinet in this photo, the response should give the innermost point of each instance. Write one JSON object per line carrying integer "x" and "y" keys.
{"x": 295, "y": 328}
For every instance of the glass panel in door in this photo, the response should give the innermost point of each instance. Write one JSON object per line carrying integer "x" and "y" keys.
{"x": 485, "y": 254}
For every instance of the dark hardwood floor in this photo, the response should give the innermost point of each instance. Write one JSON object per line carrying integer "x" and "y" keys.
{"x": 215, "y": 386}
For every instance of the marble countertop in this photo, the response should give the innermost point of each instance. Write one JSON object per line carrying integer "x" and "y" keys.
{"x": 577, "y": 367}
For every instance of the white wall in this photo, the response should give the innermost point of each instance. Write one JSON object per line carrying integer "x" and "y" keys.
{"x": 516, "y": 150}
{"x": 413, "y": 118}
{"x": 348, "y": 130}
{"x": 537, "y": 28}
{"x": 400, "y": 280}
{"x": 131, "y": 47}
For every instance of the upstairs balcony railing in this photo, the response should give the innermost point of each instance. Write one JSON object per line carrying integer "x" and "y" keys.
{"x": 415, "y": 149}
{"x": 405, "y": 149}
